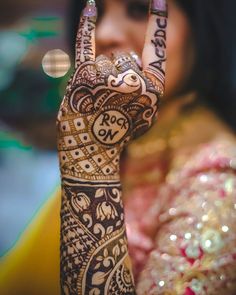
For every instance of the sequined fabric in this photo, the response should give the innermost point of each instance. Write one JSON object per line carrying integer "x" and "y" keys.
{"x": 182, "y": 232}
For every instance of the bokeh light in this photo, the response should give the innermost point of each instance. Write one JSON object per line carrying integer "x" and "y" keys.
{"x": 56, "y": 63}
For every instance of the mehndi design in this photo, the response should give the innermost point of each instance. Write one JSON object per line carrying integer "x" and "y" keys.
{"x": 107, "y": 103}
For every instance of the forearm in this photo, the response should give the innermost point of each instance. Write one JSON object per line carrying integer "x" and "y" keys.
{"x": 94, "y": 254}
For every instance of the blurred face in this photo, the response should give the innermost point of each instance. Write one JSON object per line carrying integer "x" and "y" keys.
{"x": 122, "y": 27}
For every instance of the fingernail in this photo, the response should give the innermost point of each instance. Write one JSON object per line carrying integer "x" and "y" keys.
{"x": 90, "y": 10}
{"x": 136, "y": 58}
{"x": 158, "y": 5}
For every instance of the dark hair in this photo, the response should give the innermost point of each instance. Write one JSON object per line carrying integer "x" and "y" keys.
{"x": 214, "y": 75}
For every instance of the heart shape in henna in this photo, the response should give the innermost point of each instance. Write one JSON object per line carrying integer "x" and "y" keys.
{"x": 82, "y": 101}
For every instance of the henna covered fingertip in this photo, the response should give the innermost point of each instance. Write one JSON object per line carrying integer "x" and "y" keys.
{"x": 90, "y": 9}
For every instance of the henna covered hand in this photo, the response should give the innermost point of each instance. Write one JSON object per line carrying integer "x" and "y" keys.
{"x": 107, "y": 103}
{"x": 112, "y": 99}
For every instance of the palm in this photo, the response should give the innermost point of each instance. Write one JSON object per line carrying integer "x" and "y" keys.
{"x": 114, "y": 98}
{"x": 108, "y": 102}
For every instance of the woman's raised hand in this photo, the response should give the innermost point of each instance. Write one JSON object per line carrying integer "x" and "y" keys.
{"x": 107, "y": 103}
{"x": 112, "y": 100}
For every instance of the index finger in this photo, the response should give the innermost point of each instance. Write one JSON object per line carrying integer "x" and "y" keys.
{"x": 85, "y": 41}
{"x": 154, "y": 52}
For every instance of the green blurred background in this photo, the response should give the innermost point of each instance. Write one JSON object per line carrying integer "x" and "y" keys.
{"x": 34, "y": 68}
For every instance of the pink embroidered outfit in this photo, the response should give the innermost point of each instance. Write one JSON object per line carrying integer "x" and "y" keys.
{"x": 182, "y": 231}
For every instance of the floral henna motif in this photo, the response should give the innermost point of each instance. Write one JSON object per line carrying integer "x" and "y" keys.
{"x": 108, "y": 102}
{"x": 93, "y": 240}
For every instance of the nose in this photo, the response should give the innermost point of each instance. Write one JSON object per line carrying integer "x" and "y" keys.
{"x": 110, "y": 35}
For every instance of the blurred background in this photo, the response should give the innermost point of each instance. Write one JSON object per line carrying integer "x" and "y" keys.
{"x": 34, "y": 68}
{"x": 35, "y": 63}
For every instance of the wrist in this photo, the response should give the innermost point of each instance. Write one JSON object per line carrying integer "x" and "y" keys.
{"x": 91, "y": 163}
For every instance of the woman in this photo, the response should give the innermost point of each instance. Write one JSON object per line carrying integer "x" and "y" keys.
{"x": 180, "y": 178}
{"x": 172, "y": 176}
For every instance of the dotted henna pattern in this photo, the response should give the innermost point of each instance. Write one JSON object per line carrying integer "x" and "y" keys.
{"x": 108, "y": 102}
